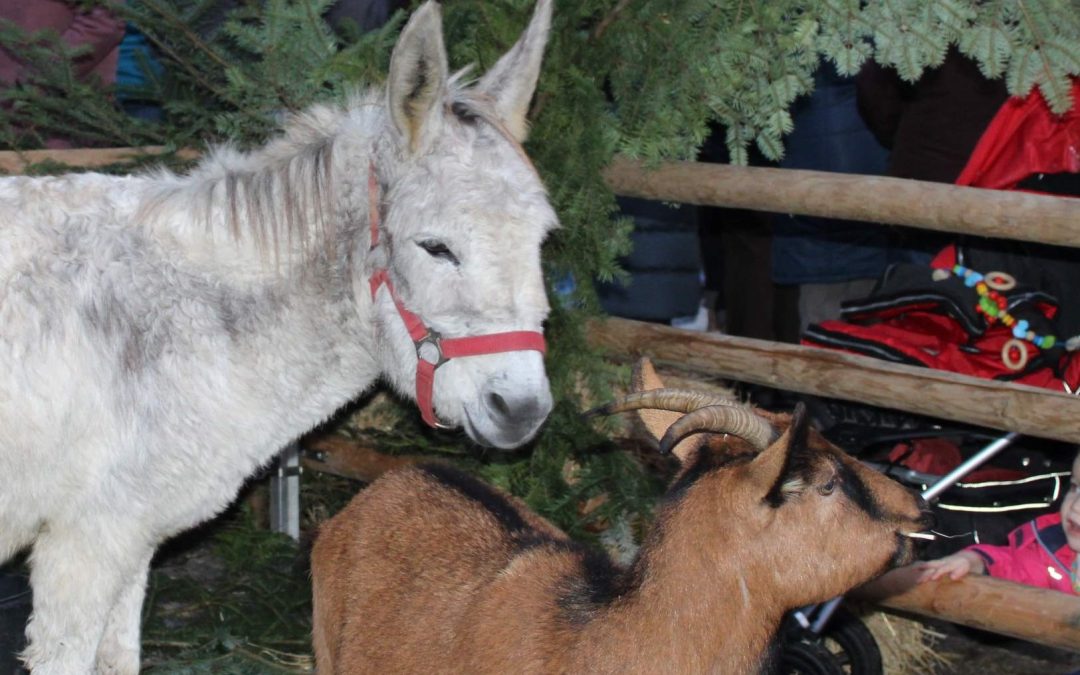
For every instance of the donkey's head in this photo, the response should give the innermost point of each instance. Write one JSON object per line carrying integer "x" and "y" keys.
{"x": 463, "y": 215}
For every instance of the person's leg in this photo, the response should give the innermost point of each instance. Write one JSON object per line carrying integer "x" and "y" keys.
{"x": 747, "y": 275}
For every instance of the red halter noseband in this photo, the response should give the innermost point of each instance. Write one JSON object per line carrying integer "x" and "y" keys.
{"x": 432, "y": 349}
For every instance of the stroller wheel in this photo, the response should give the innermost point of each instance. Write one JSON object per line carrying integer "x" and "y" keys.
{"x": 847, "y": 643}
{"x": 808, "y": 658}
{"x": 853, "y": 645}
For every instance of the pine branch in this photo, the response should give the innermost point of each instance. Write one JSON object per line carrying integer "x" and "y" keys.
{"x": 1055, "y": 89}
{"x": 606, "y": 21}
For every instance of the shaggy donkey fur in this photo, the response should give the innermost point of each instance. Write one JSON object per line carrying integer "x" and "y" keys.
{"x": 163, "y": 336}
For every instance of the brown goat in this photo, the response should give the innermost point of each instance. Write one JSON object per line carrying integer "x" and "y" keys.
{"x": 431, "y": 571}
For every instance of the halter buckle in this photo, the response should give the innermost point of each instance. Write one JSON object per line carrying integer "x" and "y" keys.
{"x": 429, "y": 348}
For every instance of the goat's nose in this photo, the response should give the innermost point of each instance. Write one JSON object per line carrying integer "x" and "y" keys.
{"x": 927, "y": 518}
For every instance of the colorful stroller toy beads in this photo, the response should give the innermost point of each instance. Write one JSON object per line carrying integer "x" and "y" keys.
{"x": 994, "y": 306}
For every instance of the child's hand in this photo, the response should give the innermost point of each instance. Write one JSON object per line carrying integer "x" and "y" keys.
{"x": 955, "y": 566}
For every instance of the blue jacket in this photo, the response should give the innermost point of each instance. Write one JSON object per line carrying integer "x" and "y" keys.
{"x": 829, "y": 135}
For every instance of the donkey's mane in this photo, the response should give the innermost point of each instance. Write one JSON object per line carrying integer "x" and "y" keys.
{"x": 283, "y": 192}
{"x": 275, "y": 195}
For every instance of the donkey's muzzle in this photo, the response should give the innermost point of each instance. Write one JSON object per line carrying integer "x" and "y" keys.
{"x": 513, "y": 417}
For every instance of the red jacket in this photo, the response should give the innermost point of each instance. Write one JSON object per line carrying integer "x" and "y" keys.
{"x": 1037, "y": 555}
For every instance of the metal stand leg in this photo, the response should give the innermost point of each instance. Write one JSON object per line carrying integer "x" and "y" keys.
{"x": 978, "y": 459}
{"x": 285, "y": 493}
{"x": 825, "y": 613}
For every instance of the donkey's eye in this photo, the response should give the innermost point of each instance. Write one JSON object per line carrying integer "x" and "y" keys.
{"x": 829, "y": 487}
{"x": 437, "y": 249}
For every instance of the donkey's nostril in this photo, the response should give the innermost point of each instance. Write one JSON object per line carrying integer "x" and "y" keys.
{"x": 498, "y": 404}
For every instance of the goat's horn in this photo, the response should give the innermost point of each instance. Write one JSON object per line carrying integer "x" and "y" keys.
{"x": 675, "y": 400}
{"x": 721, "y": 419}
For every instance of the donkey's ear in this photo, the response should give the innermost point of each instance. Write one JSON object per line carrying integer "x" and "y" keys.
{"x": 512, "y": 80}
{"x": 785, "y": 465}
{"x": 418, "y": 72}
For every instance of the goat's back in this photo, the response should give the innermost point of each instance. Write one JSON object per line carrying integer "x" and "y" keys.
{"x": 386, "y": 587}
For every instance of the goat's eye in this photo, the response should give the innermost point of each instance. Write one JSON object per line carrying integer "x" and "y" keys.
{"x": 437, "y": 249}
{"x": 829, "y": 487}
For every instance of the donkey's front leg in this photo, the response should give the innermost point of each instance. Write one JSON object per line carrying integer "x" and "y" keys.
{"x": 118, "y": 653}
{"x": 76, "y": 574}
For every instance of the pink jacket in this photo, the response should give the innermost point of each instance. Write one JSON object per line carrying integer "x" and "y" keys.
{"x": 1037, "y": 555}
{"x": 99, "y": 28}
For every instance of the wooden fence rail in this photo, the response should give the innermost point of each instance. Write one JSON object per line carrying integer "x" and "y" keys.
{"x": 14, "y": 162}
{"x": 1034, "y": 614}
{"x": 896, "y": 201}
{"x": 823, "y": 372}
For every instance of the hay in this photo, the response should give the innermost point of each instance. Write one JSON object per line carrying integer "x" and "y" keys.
{"x": 907, "y": 646}
{"x": 379, "y": 410}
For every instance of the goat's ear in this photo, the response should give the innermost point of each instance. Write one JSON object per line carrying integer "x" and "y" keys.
{"x": 511, "y": 81}
{"x": 416, "y": 86}
{"x": 785, "y": 465}
{"x": 644, "y": 377}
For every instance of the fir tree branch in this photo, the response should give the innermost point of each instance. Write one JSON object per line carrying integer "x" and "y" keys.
{"x": 193, "y": 38}
{"x": 197, "y": 42}
{"x": 608, "y": 19}
{"x": 193, "y": 72}
{"x": 1048, "y": 80}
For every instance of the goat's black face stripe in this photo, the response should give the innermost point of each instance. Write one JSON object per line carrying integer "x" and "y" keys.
{"x": 856, "y": 490}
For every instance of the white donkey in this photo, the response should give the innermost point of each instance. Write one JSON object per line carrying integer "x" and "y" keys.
{"x": 161, "y": 336}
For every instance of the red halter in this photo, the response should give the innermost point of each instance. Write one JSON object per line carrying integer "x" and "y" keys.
{"x": 432, "y": 349}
